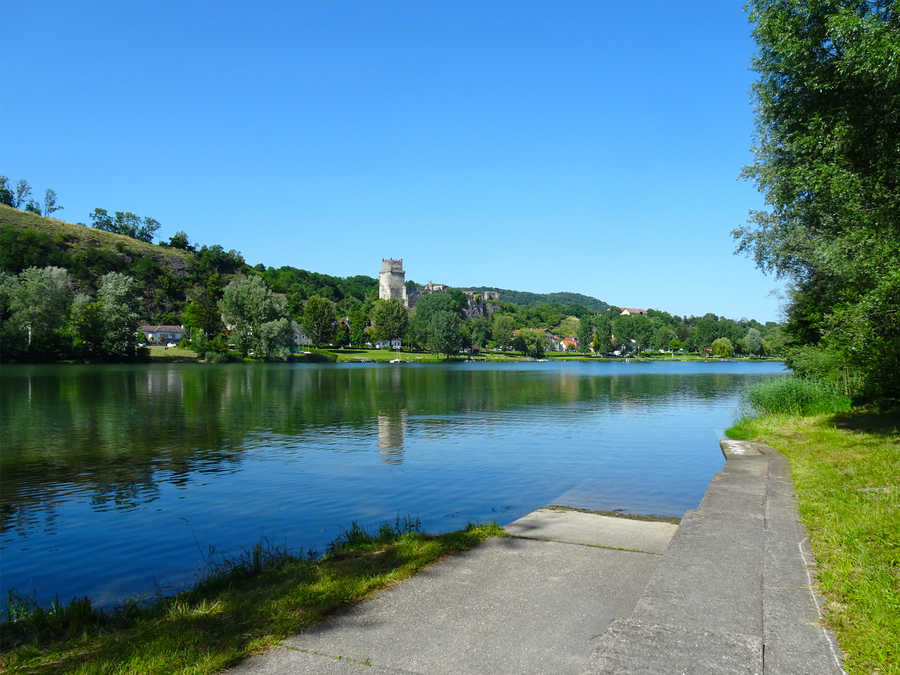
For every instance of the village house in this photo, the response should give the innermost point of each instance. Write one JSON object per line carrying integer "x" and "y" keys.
{"x": 632, "y": 311}
{"x": 568, "y": 344}
{"x": 162, "y": 334}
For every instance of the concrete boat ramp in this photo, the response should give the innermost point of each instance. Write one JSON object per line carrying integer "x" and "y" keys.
{"x": 729, "y": 590}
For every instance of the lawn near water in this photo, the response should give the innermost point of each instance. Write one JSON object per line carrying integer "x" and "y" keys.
{"x": 846, "y": 471}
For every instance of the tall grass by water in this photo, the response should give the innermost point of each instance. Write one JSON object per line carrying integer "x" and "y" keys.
{"x": 796, "y": 396}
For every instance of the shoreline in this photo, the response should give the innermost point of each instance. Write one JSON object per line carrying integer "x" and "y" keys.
{"x": 324, "y": 356}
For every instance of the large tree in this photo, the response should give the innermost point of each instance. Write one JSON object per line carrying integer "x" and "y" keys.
{"x": 389, "y": 319}
{"x": 445, "y": 333}
{"x": 318, "y": 319}
{"x": 426, "y": 308}
{"x": 246, "y": 305}
{"x": 38, "y": 302}
{"x": 120, "y": 307}
{"x": 502, "y": 328}
{"x": 826, "y": 159}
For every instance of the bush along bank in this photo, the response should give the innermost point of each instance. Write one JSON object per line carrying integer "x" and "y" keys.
{"x": 241, "y": 606}
{"x": 845, "y": 464}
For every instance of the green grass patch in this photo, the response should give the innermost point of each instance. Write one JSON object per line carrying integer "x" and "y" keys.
{"x": 796, "y": 396}
{"x": 383, "y": 356}
{"x": 846, "y": 470}
{"x": 161, "y": 353}
{"x": 242, "y": 606}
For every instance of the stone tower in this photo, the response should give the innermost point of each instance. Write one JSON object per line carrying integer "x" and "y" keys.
{"x": 392, "y": 281}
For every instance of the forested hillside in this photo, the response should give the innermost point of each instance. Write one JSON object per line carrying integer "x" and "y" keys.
{"x": 73, "y": 291}
{"x": 574, "y": 301}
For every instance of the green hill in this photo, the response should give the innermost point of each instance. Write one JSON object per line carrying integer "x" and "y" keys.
{"x": 29, "y": 240}
{"x": 526, "y": 299}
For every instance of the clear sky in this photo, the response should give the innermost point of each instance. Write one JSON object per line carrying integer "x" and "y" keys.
{"x": 591, "y": 147}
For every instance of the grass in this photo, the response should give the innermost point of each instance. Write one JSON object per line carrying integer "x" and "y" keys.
{"x": 846, "y": 470}
{"x": 383, "y": 356}
{"x": 159, "y": 352}
{"x": 241, "y": 607}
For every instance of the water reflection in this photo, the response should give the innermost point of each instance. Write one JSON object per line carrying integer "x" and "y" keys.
{"x": 114, "y": 478}
{"x": 116, "y": 433}
{"x": 391, "y": 429}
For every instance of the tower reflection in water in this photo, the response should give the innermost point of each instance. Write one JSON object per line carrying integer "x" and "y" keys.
{"x": 391, "y": 430}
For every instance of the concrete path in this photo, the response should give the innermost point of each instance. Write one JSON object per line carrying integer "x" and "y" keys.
{"x": 734, "y": 591}
{"x": 730, "y": 592}
{"x": 529, "y": 603}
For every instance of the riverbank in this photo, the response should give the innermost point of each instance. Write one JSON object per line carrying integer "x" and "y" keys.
{"x": 845, "y": 469}
{"x": 241, "y": 607}
{"x": 350, "y": 355}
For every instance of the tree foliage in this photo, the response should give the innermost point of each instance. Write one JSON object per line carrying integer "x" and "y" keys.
{"x": 7, "y": 196}
{"x": 247, "y": 304}
{"x": 426, "y": 308}
{"x": 119, "y": 309}
{"x": 125, "y": 222}
{"x": 50, "y": 205}
{"x": 722, "y": 347}
{"x": 502, "y": 328}
{"x": 532, "y": 343}
{"x": 37, "y": 305}
{"x": 318, "y": 320}
{"x": 444, "y": 332}
{"x": 389, "y": 320}
{"x": 826, "y": 159}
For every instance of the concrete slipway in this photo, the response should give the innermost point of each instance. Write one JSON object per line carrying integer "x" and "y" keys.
{"x": 729, "y": 590}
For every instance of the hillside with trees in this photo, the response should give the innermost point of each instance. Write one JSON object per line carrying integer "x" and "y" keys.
{"x": 72, "y": 291}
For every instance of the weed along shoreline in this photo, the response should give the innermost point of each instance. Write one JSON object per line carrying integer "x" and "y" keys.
{"x": 730, "y": 587}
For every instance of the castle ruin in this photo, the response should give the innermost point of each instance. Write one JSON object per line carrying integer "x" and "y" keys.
{"x": 392, "y": 281}
{"x": 392, "y": 285}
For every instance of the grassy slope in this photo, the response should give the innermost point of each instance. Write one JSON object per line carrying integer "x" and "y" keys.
{"x": 230, "y": 616}
{"x": 79, "y": 237}
{"x": 846, "y": 470}
{"x": 568, "y": 327}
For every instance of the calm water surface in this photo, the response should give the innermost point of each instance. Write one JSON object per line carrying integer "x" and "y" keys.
{"x": 120, "y": 480}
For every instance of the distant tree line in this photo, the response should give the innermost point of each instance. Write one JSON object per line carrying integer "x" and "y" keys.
{"x": 222, "y": 301}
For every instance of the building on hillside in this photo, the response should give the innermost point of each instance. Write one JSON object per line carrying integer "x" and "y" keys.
{"x": 392, "y": 281}
{"x": 632, "y": 311}
{"x": 161, "y": 334}
{"x": 568, "y": 344}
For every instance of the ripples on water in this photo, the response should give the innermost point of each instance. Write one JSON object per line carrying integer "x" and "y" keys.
{"x": 121, "y": 480}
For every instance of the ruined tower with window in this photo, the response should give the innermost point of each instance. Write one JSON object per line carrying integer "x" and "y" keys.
{"x": 392, "y": 281}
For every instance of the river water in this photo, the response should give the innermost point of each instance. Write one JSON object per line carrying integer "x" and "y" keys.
{"x": 118, "y": 481}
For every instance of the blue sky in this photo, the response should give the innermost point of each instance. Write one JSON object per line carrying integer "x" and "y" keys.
{"x": 591, "y": 147}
